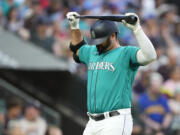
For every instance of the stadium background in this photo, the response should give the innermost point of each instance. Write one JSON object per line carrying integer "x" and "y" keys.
{"x": 36, "y": 66}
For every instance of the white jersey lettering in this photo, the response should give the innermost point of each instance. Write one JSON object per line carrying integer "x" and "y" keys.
{"x": 101, "y": 66}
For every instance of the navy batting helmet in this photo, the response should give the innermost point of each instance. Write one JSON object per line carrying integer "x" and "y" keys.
{"x": 101, "y": 30}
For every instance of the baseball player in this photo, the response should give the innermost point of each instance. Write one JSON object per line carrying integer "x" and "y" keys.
{"x": 111, "y": 72}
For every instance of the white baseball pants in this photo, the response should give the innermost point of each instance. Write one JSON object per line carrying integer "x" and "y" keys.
{"x": 116, "y": 125}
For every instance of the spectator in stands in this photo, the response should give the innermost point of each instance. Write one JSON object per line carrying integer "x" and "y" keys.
{"x": 15, "y": 129}
{"x": 14, "y": 110}
{"x": 6, "y": 5}
{"x": 168, "y": 13}
{"x": 53, "y": 130}
{"x": 173, "y": 83}
{"x": 174, "y": 105}
{"x": 25, "y": 10}
{"x": 13, "y": 23}
{"x": 113, "y": 8}
{"x": 33, "y": 123}
{"x": 36, "y": 7}
{"x": 159, "y": 3}
{"x": 151, "y": 27}
{"x": 40, "y": 37}
{"x": 141, "y": 82}
{"x": 54, "y": 10}
{"x": 165, "y": 70}
{"x": 154, "y": 107}
{"x": 44, "y": 3}
{"x": 31, "y": 11}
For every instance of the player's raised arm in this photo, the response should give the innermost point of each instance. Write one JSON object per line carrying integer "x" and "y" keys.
{"x": 77, "y": 40}
{"x": 147, "y": 53}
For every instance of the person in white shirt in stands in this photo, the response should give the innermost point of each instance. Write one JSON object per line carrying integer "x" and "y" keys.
{"x": 33, "y": 123}
{"x": 53, "y": 130}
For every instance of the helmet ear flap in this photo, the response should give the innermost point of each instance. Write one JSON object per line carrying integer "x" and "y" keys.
{"x": 114, "y": 36}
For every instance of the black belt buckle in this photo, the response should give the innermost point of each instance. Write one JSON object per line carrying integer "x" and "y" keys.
{"x": 98, "y": 117}
{"x": 101, "y": 116}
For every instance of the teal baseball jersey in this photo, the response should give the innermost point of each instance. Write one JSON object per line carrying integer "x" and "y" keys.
{"x": 110, "y": 77}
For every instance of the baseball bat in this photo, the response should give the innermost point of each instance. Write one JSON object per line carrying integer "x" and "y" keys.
{"x": 129, "y": 19}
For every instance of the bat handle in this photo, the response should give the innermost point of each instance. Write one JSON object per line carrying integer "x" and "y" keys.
{"x": 131, "y": 19}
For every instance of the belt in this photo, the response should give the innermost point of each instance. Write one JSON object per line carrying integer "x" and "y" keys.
{"x": 102, "y": 116}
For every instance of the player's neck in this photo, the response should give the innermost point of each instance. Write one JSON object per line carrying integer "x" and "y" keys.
{"x": 113, "y": 46}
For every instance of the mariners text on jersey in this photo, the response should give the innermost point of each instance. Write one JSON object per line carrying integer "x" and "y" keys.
{"x": 101, "y": 66}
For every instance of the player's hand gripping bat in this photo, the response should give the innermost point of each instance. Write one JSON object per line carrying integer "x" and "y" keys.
{"x": 129, "y": 19}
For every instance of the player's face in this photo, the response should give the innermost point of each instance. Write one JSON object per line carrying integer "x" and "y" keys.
{"x": 104, "y": 46}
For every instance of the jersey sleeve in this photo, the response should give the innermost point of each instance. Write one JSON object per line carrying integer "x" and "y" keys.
{"x": 132, "y": 52}
{"x": 84, "y": 54}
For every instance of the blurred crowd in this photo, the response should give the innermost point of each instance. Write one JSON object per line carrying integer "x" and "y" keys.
{"x": 156, "y": 91}
{"x": 17, "y": 118}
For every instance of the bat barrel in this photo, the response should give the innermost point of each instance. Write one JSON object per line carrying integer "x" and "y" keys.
{"x": 101, "y": 17}
{"x": 129, "y": 19}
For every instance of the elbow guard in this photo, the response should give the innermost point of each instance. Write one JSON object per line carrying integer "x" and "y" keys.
{"x": 74, "y": 48}
{"x": 76, "y": 58}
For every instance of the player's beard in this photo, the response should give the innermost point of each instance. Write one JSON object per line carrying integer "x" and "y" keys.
{"x": 103, "y": 48}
